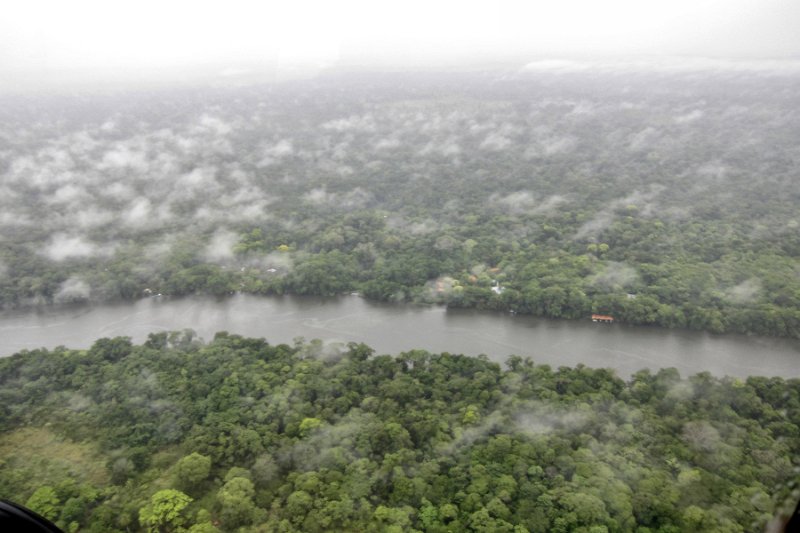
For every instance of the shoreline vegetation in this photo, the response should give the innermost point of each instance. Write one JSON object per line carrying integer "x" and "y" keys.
{"x": 176, "y": 433}
{"x": 480, "y": 293}
{"x": 657, "y": 198}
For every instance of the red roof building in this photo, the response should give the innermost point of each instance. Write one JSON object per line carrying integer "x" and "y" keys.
{"x": 602, "y": 318}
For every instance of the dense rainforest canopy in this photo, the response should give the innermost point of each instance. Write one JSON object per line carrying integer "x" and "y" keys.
{"x": 665, "y": 198}
{"x": 238, "y": 433}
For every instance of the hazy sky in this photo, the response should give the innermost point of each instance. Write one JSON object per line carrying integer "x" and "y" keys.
{"x": 43, "y": 36}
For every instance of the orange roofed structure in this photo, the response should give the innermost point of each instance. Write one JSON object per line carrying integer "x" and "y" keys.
{"x": 602, "y": 318}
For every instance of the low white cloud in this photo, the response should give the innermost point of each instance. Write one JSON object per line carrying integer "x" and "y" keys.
{"x": 118, "y": 191}
{"x": 643, "y": 139}
{"x": 214, "y": 125}
{"x": 93, "y": 217}
{"x": 364, "y": 123}
{"x": 643, "y": 202}
{"x": 514, "y": 202}
{"x": 595, "y": 226}
{"x": 387, "y": 144}
{"x": 495, "y": 142}
{"x": 138, "y": 213}
{"x": 745, "y": 292}
{"x": 123, "y": 156}
{"x": 668, "y": 65}
{"x": 62, "y": 246}
{"x": 615, "y": 276}
{"x": 549, "y": 146}
{"x": 549, "y": 204}
{"x": 354, "y": 198}
{"x": 201, "y": 177}
{"x": 72, "y": 290}
{"x": 220, "y": 247}
{"x": 690, "y": 117}
{"x": 66, "y": 194}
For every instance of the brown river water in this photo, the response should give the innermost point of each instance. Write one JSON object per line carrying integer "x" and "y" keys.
{"x": 393, "y": 328}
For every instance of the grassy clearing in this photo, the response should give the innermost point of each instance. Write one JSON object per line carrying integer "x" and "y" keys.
{"x": 37, "y": 456}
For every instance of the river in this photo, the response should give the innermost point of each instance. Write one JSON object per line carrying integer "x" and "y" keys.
{"x": 394, "y": 328}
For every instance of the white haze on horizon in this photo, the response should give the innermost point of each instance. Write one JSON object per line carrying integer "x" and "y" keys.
{"x": 44, "y": 40}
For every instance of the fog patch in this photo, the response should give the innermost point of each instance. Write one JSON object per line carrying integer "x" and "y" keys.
{"x": 552, "y": 146}
{"x": 44, "y": 171}
{"x": 220, "y": 247}
{"x": 21, "y": 165}
{"x": 466, "y": 436}
{"x": 354, "y": 123}
{"x": 583, "y": 107}
{"x": 595, "y": 226}
{"x": 198, "y": 177}
{"x": 700, "y": 435}
{"x": 319, "y": 196}
{"x": 495, "y": 142}
{"x": 13, "y": 220}
{"x": 446, "y": 243}
{"x": 159, "y": 251}
{"x": 66, "y": 194}
{"x": 8, "y": 196}
{"x": 735, "y": 110}
{"x": 108, "y": 126}
{"x": 669, "y": 65}
{"x": 327, "y": 442}
{"x": 387, "y": 144}
{"x": 138, "y": 214}
{"x": 441, "y": 288}
{"x": 92, "y": 217}
{"x": 549, "y": 205}
{"x": 62, "y": 246}
{"x": 615, "y": 277}
{"x": 328, "y": 351}
{"x": 745, "y": 292}
{"x": 56, "y": 157}
{"x": 355, "y": 198}
{"x": 644, "y": 139}
{"x": 515, "y": 202}
{"x": 78, "y": 402}
{"x": 642, "y": 201}
{"x": 274, "y": 153}
{"x": 543, "y": 419}
{"x": 446, "y": 148}
{"x": 119, "y": 191}
{"x": 418, "y": 227}
{"x": 423, "y": 227}
{"x": 253, "y": 211}
{"x": 556, "y": 66}
{"x": 681, "y": 391}
{"x": 714, "y": 169}
{"x": 676, "y": 213}
{"x": 214, "y": 125}
{"x": 72, "y": 290}
{"x": 690, "y": 117}
{"x": 124, "y": 157}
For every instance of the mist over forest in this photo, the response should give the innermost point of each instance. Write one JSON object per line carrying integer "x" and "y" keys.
{"x": 400, "y": 267}
{"x": 243, "y": 435}
{"x": 659, "y": 196}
